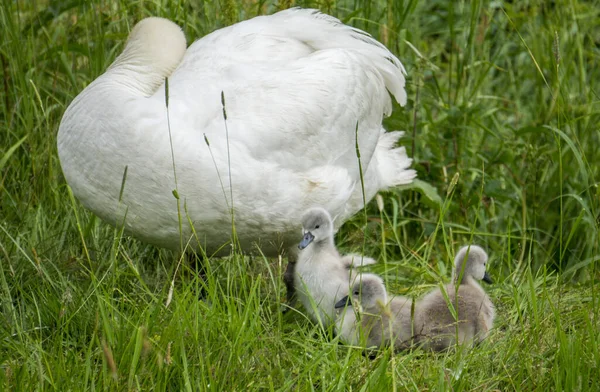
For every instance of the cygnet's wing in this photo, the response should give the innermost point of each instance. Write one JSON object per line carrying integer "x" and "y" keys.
{"x": 355, "y": 260}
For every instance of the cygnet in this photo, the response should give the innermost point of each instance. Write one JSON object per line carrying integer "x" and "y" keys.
{"x": 321, "y": 276}
{"x": 351, "y": 261}
{"x": 372, "y": 320}
{"x": 437, "y": 327}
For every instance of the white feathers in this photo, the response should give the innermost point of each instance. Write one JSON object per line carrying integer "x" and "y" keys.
{"x": 296, "y": 84}
{"x": 154, "y": 49}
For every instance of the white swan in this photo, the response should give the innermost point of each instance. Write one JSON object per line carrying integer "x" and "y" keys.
{"x": 295, "y": 85}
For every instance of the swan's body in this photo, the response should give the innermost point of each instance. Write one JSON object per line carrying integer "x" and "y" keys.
{"x": 374, "y": 319}
{"x": 435, "y": 326}
{"x": 295, "y": 85}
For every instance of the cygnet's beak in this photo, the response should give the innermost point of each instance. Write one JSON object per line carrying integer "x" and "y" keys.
{"x": 487, "y": 279}
{"x": 342, "y": 303}
{"x": 308, "y": 238}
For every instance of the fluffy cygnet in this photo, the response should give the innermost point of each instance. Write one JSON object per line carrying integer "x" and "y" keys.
{"x": 321, "y": 276}
{"x": 436, "y": 327}
{"x": 350, "y": 261}
{"x": 372, "y": 320}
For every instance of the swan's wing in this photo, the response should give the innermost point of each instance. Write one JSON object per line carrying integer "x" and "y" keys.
{"x": 296, "y": 84}
{"x": 289, "y": 35}
{"x": 300, "y": 113}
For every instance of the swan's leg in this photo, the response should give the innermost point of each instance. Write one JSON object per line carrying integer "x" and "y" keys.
{"x": 288, "y": 280}
{"x": 197, "y": 263}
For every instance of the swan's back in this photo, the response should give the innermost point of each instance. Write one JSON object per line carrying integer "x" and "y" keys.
{"x": 295, "y": 86}
{"x": 267, "y": 42}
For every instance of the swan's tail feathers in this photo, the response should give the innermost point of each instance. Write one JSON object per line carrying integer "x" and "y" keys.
{"x": 393, "y": 164}
{"x": 389, "y": 167}
{"x": 321, "y": 31}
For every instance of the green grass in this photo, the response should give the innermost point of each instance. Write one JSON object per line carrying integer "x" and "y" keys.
{"x": 502, "y": 120}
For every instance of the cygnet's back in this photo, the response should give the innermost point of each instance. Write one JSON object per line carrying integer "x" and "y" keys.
{"x": 435, "y": 326}
{"x": 321, "y": 277}
{"x": 367, "y": 318}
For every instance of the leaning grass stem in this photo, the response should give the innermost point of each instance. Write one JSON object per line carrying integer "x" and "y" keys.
{"x": 362, "y": 189}
{"x": 176, "y": 190}
{"x": 234, "y": 238}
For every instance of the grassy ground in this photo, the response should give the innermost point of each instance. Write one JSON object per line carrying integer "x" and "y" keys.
{"x": 502, "y": 120}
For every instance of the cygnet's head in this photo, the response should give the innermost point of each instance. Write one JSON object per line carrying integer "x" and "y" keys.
{"x": 474, "y": 265}
{"x": 317, "y": 226}
{"x": 368, "y": 291}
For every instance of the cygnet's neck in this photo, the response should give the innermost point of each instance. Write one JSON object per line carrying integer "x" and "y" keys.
{"x": 465, "y": 279}
{"x": 462, "y": 274}
{"x": 378, "y": 307}
{"x": 469, "y": 280}
{"x": 326, "y": 245}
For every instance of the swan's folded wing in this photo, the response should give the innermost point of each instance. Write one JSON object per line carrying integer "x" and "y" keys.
{"x": 301, "y": 116}
{"x": 289, "y": 35}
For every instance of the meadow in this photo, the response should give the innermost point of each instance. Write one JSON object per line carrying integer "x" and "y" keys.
{"x": 502, "y": 120}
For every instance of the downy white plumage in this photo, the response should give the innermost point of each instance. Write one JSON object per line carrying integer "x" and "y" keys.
{"x": 296, "y": 84}
{"x": 322, "y": 277}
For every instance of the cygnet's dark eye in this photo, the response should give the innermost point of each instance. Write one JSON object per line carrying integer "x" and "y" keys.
{"x": 317, "y": 226}
{"x": 356, "y": 292}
